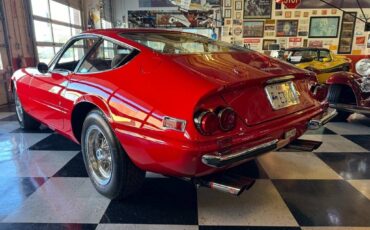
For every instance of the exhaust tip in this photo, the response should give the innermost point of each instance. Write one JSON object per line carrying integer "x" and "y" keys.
{"x": 228, "y": 183}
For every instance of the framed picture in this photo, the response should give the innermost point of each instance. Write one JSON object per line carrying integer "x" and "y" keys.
{"x": 257, "y": 9}
{"x": 227, "y": 3}
{"x": 238, "y": 15}
{"x": 253, "y": 29}
{"x": 323, "y": 27}
{"x": 267, "y": 42}
{"x": 287, "y": 28}
{"x": 288, "y": 14}
{"x": 238, "y": 5}
{"x": 347, "y": 32}
{"x": 227, "y": 13}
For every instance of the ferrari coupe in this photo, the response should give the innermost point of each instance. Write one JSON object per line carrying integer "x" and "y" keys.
{"x": 172, "y": 103}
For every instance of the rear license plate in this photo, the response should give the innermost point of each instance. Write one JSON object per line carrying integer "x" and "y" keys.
{"x": 282, "y": 95}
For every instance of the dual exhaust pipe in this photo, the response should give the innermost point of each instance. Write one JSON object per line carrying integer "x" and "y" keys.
{"x": 235, "y": 184}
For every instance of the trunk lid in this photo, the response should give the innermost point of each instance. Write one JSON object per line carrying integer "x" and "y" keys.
{"x": 244, "y": 76}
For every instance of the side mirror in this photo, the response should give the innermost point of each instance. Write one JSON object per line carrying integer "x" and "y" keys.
{"x": 326, "y": 59}
{"x": 42, "y": 67}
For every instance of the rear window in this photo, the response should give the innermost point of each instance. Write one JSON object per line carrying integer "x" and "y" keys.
{"x": 300, "y": 56}
{"x": 182, "y": 43}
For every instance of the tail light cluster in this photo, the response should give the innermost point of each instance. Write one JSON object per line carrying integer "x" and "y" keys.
{"x": 222, "y": 119}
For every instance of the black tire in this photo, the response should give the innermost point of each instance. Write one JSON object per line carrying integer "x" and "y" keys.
{"x": 125, "y": 178}
{"x": 333, "y": 98}
{"x": 25, "y": 120}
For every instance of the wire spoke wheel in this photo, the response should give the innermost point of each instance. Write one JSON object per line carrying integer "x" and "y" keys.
{"x": 99, "y": 155}
{"x": 18, "y": 108}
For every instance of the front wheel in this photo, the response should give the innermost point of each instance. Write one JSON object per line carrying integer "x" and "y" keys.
{"x": 25, "y": 120}
{"x": 110, "y": 169}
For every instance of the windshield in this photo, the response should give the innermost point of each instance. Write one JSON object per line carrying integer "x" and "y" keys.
{"x": 300, "y": 56}
{"x": 181, "y": 43}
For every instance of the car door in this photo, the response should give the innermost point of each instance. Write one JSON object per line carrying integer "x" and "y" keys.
{"x": 47, "y": 89}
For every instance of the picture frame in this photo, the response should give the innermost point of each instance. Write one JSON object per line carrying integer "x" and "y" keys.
{"x": 227, "y": 13}
{"x": 238, "y": 5}
{"x": 267, "y": 42}
{"x": 238, "y": 15}
{"x": 227, "y": 3}
{"x": 347, "y": 33}
{"x": 253, "y": 29}
{"x": 324, "y": 27}
{"x": 257, "y": 9}
{"x": 286, "y": 28}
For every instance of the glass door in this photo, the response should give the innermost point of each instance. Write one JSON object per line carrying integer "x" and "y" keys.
{"x": 4, "y": 63}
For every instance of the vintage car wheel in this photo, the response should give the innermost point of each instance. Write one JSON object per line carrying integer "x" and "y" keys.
{"x": 334, "y": 97}
{"x": 110, "y": 169}
{"x": 25, "y": 120}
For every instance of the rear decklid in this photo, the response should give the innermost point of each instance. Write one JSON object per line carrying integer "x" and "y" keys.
{"x": 245, "y": 76}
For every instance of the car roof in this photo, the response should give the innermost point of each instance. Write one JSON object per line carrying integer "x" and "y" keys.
{"x": 308, "y": 48}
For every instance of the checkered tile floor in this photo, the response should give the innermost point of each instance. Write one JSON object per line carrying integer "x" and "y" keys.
{"x": 43, "y": 185}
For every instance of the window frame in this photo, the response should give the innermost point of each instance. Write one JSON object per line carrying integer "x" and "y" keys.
{"x": 54, "y": 45}
{"x": 67, "y": 45}
{"x": 131, "y": 56}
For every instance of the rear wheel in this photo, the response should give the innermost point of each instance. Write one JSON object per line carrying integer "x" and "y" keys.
{"x": 110, "y": 169}
{"x": 335, "y": 92}
{"x": 25, "y": 120}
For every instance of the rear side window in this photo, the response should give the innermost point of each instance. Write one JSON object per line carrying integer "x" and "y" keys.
{"x": 107, "y": 55}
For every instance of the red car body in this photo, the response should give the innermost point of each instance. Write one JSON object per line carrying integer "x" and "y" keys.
{"x": 136, "y": 97}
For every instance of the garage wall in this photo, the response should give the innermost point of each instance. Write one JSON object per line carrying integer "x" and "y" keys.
{"x": 303, "y": 15}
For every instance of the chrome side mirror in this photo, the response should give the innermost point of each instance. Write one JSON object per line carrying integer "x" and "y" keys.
{"x": 42, "y": 67}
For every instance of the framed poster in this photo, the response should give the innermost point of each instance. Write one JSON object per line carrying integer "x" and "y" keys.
{"x": 347, "y": 32}
{"x": 287, "y": 28}
{"x": 257, "y": 9}
{"x": 324, "y": 27}
{"x": 227, "y": 13}
{"x": 253, "y": 29}
{"x": 267, "y": 42}
{"x": 238, "y": 5}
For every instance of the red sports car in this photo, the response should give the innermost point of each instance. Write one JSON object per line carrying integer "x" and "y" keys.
{"x": 173, "y": 103}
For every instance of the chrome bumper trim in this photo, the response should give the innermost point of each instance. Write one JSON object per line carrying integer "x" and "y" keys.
{"x": 351, "y": 108}
{"x": 221, "y": 159}
{"x": 316, "y": 124}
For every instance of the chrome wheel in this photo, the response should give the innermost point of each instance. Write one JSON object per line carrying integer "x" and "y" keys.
{"x": 18, "y": 107}
{"x": 99, "y": 155}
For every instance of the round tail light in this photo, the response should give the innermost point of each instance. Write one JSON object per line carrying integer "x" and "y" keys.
{"x": 227, "y": 118}
{"x": 207, "y": 122}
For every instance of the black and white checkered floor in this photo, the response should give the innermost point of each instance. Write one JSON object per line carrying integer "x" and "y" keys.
{"x": 43, "y": 185}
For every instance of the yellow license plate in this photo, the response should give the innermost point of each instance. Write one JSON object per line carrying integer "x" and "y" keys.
{"x": 282, "y": 95}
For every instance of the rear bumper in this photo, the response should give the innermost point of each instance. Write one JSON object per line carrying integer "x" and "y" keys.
{"x": 221, "y": 159}
{"x": 317, "y": 123}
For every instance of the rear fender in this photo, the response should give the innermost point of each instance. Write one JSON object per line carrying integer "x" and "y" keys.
{"x": 99, "y": 103}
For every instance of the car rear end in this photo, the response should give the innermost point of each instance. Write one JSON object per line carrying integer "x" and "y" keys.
{"x": 256, "y": 105}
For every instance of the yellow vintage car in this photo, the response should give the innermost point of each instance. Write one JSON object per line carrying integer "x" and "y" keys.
{"x": 319, "y": 60}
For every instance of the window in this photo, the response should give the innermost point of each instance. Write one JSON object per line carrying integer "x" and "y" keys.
{"x": 106, "y": 56}
{"x": 74, "y": 53}
{"x": 324, "y": 54}
{"x": 54, "y": 23}
{"x": 181, "y": 43}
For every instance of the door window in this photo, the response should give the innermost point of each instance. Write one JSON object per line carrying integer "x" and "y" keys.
{"x": 74, "y": 54}
{"x": 107, "y": 55}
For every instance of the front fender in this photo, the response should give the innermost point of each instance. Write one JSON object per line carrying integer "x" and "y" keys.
{"x": 342, "y": 78}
